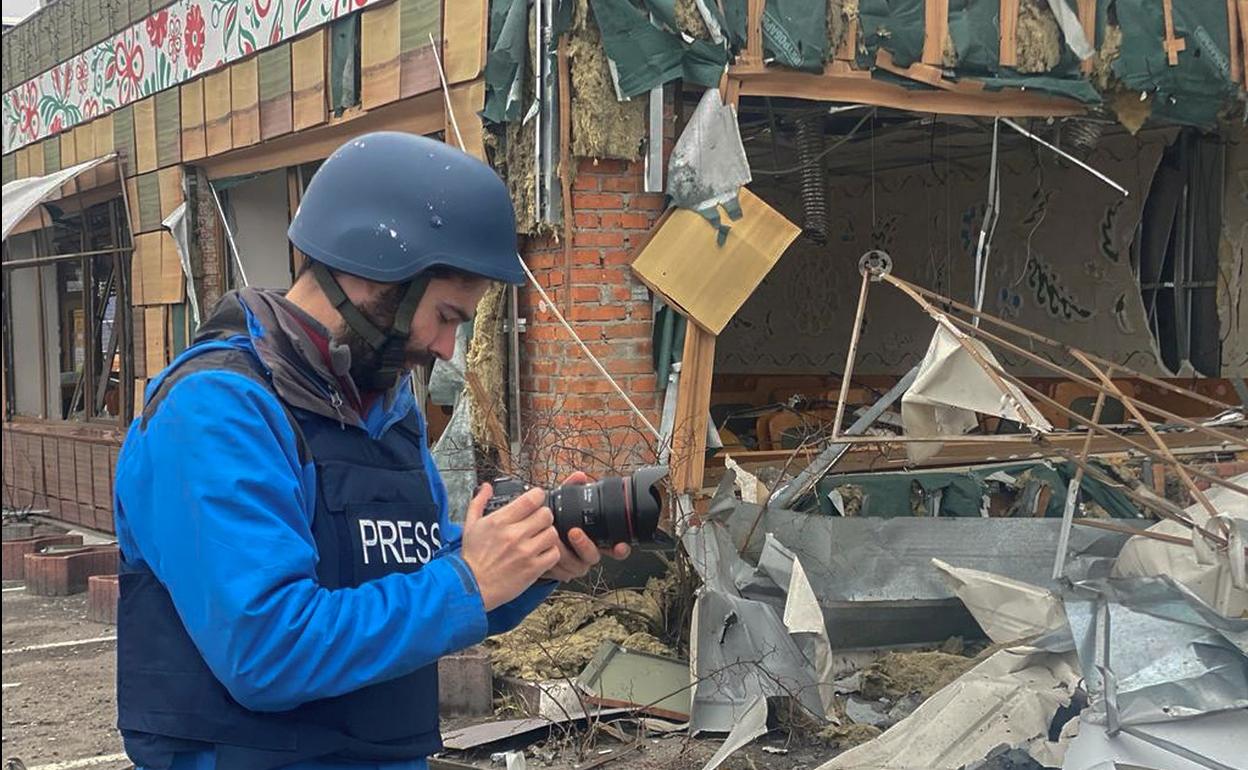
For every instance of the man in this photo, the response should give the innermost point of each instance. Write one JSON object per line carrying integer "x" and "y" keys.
{"x": 290, "y": 575}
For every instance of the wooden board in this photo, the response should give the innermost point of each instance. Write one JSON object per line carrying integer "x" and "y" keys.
{"x": 132, "y": 203}
{"x": 379, "y": 55}
{"x": 194, "y": 142}
{"x": 276, "y": 98}
{"x": 708, "y": 282}
{"x": 138, "y": 341}
{"x": 693, "y": 403}
{"x": 936, "y": 28}
{"x": 418, "y": 69}
{"x": 35, "y": 160}
{"x": 172, "y": 278}
{"x": 145, "y": 269}
{"x": 1008, "y": 54}
{"x": 217, "y": 122}
{"x": 145, "y": 135}
{"x": 123, "y": 138}
{"x": 154, "y": 339}
{"x": 169, "y": 183}
{"x": 1087, "y": 19}
{"x": 105, "y": 173}
{"x": 464, "y": 39}
{"x": 308, "y": 80}
{"x": 1236, "y": 54}
{"x": 168, "y": 127}
{"x": 147, "y": 189}
{"x": 467, "y": 100}
{"x": 84, "y": 142}
{"x": 51, "y": 149}
{"x": 245, "y": 102}
{"x": 23, "y": 162}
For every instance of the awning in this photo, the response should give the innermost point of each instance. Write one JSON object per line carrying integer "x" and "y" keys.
{"x": 22, "y": 195}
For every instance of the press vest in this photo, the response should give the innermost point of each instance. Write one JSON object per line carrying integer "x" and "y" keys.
{"x": 375, "y": 515}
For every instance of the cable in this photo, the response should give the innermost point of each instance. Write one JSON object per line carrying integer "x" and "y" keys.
{"x": 817, "y": 158}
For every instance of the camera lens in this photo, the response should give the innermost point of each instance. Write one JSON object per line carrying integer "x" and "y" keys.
{"x": 613, "y": 510}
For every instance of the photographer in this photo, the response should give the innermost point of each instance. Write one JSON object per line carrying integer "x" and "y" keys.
{"x": 290, "y": 575}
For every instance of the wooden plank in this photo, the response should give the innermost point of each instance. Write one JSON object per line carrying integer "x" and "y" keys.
{"x": 1173, "y": 45}
{"x": 145, "y": 270}
{"x": 308, "y": 80}
{"x": 35, "y": 161}
{"x": 105, "y": 136}
{"x": 849, "y": 47}
{"x": 276, "y": 97}
{"x": 84, "y": 141}
{"x": 51, "y": 149}
{"x": 1008, "y": 55}
{"x": 467, "y": 100}
{"x": 936, "y": 29}
{"x": 140, "y": 386}
{"x": 1087, "y": 18}
{"x": 1243, "y": 36}
{"x": 101, "y": 478}
{"x": 155, "y": 342}
{"x": 84, "y": 478}
{"x": 147, "y": 188}
{"x": 294, "y": 193}
{"x": 172, "y": 280}
{"x": 693, "y": 404}
{"x": 194, "y": 142}
{"x": 1236, "y": 52}
{"x": 145, "y": 135}
{"x": 752, "y": 57}
{"x": 245, "y": 102}
{"x": 132, "y": 200}
{"x": 69, "y": 157}
{"x": 707, "y": 281}
{"x": 379, "y": 55}
{"x": 23, "y": 162}
{"x": 123, "y": 138}
{"x": 418, "y": 68}
{"x": 138, "y": 341}
{"x": 168, "y": 127}
{"x": 169, "y": 183}
{"x": 464, "y": 39}
{"x": 217, "y": 123}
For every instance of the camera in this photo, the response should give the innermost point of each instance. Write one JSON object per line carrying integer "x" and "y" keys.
{"x": 616, "y": 509}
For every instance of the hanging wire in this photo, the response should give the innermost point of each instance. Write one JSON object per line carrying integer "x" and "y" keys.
{"x": 827, "y": 151}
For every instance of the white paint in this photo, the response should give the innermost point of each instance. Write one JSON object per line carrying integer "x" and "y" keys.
{"x": 72, "y": 764}
{"x": 11, "y": 685}
{"x": 14, "y": 589}
{"x": 259, "y": 215}
{"x": 60, "y": 645}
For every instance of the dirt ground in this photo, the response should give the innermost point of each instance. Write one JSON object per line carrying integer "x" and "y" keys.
{"x": 58, "y": 703}
{"x": 59, "y": 711}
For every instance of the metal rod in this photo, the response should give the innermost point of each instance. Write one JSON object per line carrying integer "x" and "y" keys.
{"x": 851, "y": 354}
{"x": 1066, "y": 155}
{"x": 1123, "y": 529}
{"x": 446, "y": 92}
{"x": 229, "y": 235}
{"x": 989, "y": 226}
{"x": 1072, "y": 496}
{"x": 40, "y": 261}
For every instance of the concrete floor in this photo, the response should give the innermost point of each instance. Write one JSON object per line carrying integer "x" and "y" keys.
{"x": 58, "y": 702}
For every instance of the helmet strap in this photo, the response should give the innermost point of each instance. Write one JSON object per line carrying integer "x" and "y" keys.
{"x": 390, "y": 343}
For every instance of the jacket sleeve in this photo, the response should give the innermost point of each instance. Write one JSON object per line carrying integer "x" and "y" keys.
{"x": 506, "y": 617}
{"x": 215, "y": 503}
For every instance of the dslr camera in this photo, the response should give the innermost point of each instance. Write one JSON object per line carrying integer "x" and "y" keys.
{"x": 616, "y": 509}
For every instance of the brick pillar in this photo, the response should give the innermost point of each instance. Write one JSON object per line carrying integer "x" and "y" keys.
{"x": 208, "y": 251}
{"x": 572, "y": 418}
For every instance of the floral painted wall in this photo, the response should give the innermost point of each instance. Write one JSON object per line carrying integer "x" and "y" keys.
{"x": 171, "y": 46}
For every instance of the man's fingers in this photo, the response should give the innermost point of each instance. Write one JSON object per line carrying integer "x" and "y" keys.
{"x": 579, "y": 477}
{"x": 585, "y": 549}
{"x": 621, "y": 551}
{"x": 522, "y": 506}
{"x": 476, "y": 506}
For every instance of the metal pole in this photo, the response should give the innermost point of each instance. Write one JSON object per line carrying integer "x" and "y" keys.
{"x": 229, "y": 235}
{"x": 851, "y": 354}
{"x": 16, "y": 264}
{"x": 1072, "y": 495}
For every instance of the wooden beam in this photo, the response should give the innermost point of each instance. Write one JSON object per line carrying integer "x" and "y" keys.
{"x": 1173, "y": 45}
{"x": 1087, "y": 17}
{"x": 862, "y": 89}
{"x": 935, "y": 30}
{"x": 1236, "y": 50}
{"x": 849, "y": 47}
{"x": 419, "y": 115}
{"x": 693, "y": 403}
{"x": 379, "y": 55}
{"x": 751, "y": 58}
{"x": 464, "y": 39}
{"x": 1008, "y": 55}
{"x": 1243, "y": 36}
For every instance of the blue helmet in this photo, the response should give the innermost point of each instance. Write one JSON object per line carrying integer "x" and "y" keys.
{"x": 387, "y": 206}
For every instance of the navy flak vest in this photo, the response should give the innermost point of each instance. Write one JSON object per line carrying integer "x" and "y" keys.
{"x": 375, "y": 515}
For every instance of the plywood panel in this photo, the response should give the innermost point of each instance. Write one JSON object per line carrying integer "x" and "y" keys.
{"x": 379, "y": 55}
{"x": 106, "y": 173}
{"x": 132, "y": 201}
{"x": 192, "y": 102}
{"x": 51, "y": 149}
{"x": 217, "y": 123}
{"x": 147, "y": 188}
{"x": 467, "y": 100}
{"x": 245, "y": 102}
{"x": 709, "y": 282}
{"x": 169, "y": 181}
{"x": 936, "y": 29}
{"x": 35, "y": 160}
{"x": 308, "y": 79}
{"x": 84, "y": 141}
{"x": 172, "y": 281}
{"x": 463, "y": 40}
{"x": 145, "y": 270}
{"x": 145, "y": 135}
{"x": 168, "y": 127}
{"x": 418, "y": 69}
{"x": 154, "y": 338}
{"x": 23, "y": 162}
{"x": 123, "y": 138}
{"x": 276, "y": 98}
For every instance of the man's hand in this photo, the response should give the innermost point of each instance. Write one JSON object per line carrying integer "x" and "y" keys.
{"x": 511, "y": 548}
{"x": 576, "y": 561}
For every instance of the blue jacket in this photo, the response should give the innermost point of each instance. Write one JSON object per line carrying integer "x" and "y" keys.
{"x": 213, "y": 497}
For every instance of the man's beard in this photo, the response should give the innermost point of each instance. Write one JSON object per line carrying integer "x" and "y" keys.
{"x": 367, "y": 362}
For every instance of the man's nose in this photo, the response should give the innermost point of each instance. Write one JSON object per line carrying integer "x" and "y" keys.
{"x": 444, "y": 346}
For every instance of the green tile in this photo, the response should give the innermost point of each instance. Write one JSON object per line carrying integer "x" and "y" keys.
{"x": 275, "y": 77}
{"x": 51, "y": 155}
{"x": 123, "y": 137}
{"x": 168, "y": 127}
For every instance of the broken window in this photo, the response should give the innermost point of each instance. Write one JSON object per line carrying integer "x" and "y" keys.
{"x": 66, "y": 316}
{"x": 1176, "y": 253}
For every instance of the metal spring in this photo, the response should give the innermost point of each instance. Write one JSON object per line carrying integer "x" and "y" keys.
{"x": 1083, "y": 135}
{"x": 814, "y": 196}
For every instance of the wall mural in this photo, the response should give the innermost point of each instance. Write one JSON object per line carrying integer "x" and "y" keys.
{"x": 1059, "y": 263}
{"x": 171, "y": 46}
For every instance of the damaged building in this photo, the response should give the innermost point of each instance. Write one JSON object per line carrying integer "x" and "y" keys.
{"x": 934, "y": 308}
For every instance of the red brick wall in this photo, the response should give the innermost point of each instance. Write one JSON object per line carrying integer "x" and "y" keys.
{"x": 571, "y": 416}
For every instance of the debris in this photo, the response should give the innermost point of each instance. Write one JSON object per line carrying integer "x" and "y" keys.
{"x": 708, "y": 282}
{"x": 618, "y": 676}
{"x": 1210, "y": 741}
{"x": 515, "y": 760}
{"x": 848, "y": 684}
{"x": 752, "y": 724}
{"x": 864, "y": 712}
{"x": 493, "y": 731}
{"x": 1039, "y": 39}
{"x": 486, "y": 358}
{"x": 848, "y": 736}
{"x": 953, "y": 386}
{"x": 689, "y": 20}
{"x": 1007, "y": 610}
{"x": 1072, "y": 29}
{"x": 838, "y": 25}
{"x": 602, "y": 127}
{"x": 1103, "y": 62}
{"x": 1006, "y": 758}
{"x": 898, "y": 674}
{"x": 708, "y": 164}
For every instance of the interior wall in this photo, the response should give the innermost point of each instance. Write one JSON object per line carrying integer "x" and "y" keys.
{"x": 1059, "y": 263}
{"x": 260, "y": 215}
{"x": 24, "y": 296}
{"x": 1232, "y": 256}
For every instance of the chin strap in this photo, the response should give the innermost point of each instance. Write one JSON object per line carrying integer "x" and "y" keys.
{"x": 389, "y": 343}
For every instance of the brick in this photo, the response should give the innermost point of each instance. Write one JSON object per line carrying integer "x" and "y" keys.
{"x": 584, "y": 220}
{"x": 588, "y": 312}
{"x": 604, "y": 166}
{"x": 628, "y": 184}
{"x": 584, "y": 182}
{"x": 102, "y": 594}
{"x": 652, "y": 201}
{"x": 597, "y": 201}
{"x": 65, "y": 573}
{"x": 466, "y": 683}
{"x": 14, "y": 556}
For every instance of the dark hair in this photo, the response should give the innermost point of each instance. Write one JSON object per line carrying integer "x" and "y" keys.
{"x": 437, "y": 271}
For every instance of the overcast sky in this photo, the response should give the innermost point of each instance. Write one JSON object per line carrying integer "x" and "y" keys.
{"x": 19, "y": 8}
